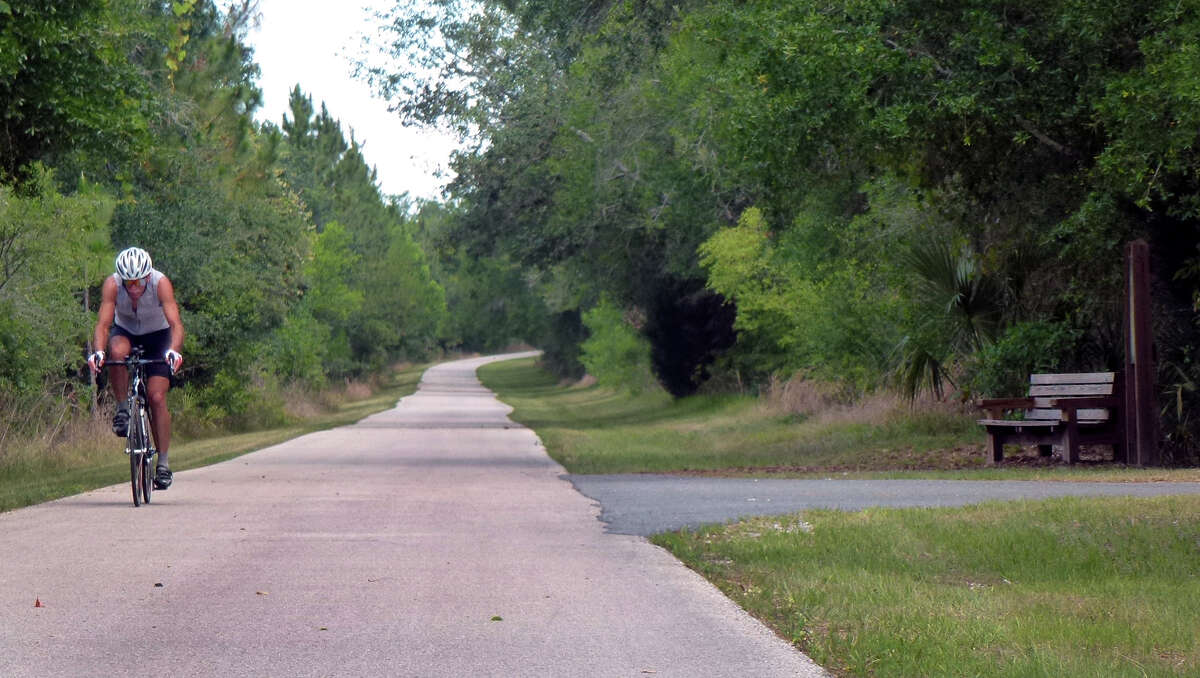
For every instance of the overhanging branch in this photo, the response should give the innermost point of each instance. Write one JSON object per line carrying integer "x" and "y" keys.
{"x": 1045, "y": 139}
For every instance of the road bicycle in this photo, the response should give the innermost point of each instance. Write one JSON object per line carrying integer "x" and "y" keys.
{"x": 139, "y": 444}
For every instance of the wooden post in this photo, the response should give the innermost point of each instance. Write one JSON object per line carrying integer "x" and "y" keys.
{"x": 1141, "y": 402}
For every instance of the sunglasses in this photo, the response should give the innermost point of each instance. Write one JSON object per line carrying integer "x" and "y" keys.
{"x": 140, "y": 282}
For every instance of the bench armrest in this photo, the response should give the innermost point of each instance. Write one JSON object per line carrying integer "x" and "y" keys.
{"x": 995, "y": 407}
{"x": 1004, "y": 403}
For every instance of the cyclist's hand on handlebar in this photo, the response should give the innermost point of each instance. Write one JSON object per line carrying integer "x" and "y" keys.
{"x": 174, "y": 360}
{"x": 96, "y": 361}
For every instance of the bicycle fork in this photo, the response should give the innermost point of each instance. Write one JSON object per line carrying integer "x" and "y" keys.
{"x": 138, "y": 437}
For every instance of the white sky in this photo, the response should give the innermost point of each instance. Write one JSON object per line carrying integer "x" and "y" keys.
{"x": 311, "y": 42}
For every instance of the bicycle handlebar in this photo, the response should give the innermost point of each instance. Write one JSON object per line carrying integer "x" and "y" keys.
{"x": 135, "y": 358}
{"x": 134, "y": 361}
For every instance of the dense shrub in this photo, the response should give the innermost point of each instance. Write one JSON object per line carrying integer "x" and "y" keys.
{"x": 1001, "y": 369}
{"x": 615, "y": 353}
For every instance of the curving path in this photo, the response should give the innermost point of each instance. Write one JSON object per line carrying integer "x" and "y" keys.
{"x": 435, "y": 539}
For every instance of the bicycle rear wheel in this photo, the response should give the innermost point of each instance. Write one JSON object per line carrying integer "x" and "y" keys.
{"x": 135, "y": 476}
{"x": 147, "y": 457}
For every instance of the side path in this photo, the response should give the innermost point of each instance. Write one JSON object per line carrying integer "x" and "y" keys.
{"x": 435, "y": 539}
{"x": 648, "y": 504}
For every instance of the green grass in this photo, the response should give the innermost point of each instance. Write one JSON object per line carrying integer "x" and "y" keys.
{"x": 30, "y": 478}
{"x": 1057, "y": 588}
{"x": 597, "y": 430}
{"x": 590, "y": 429}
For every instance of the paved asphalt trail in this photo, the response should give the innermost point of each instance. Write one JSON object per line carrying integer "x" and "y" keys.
{"x": 435, "y": 539}
{"x": 650, "y": 504}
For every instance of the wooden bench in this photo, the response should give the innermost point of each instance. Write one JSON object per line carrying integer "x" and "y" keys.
{"x": 1062, "y": 410}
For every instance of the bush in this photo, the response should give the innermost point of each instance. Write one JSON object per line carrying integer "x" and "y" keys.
{"x": 297, "y": 350}
{"x": 230, "y": 402}
{"x": 615, "y": 353}
{"x": 1002, "y": 369}
{"x": 564, "y": 333}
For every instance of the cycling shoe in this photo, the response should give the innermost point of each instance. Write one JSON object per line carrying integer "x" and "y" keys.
{"x": 163, "y": 478}
{"x": 121, "y": 423}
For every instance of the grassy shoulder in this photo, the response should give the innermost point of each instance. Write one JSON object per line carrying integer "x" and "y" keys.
{"x": 590, "y": 429}
{"x": 1070, "y": 587}
{"x": 1063, "y": 587}
{"x": 91, "y": 457}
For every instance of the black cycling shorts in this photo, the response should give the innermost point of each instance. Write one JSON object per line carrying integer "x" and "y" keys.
{"x": 154, "y": 346}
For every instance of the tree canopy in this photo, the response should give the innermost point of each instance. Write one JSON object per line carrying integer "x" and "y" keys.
{"x": 131, "y": 123}
{"x": 872, "y": 192}
{"x": 880, "y": 193}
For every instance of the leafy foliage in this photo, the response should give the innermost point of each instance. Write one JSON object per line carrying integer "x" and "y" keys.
{"x": 1024, "y": 348}
{"x": 365, "y": 250}
{"x": 879, "y": 188}
{"x": 71, "y": 80}
{"x": 614, "y": 353}
{"x": 288, "y": 264}
{"x": 47, "y": 242}
{"x": 861, "y": 189}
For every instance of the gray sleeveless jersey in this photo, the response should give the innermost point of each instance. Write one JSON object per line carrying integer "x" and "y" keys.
{"x": 149, "y": 316}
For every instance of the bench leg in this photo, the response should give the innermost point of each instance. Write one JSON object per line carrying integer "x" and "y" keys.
{"x": 1071, "y": 442}
{"x": 995, "y": 448}
{"x": 1119, "y": 452}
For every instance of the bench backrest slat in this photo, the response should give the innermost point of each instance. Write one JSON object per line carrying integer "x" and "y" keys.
{"x": 1077, "y": 378}
{"x": 1087, "y": 415}
{"x": 1044, "y": 387}
{"x": 1069, "y": 390}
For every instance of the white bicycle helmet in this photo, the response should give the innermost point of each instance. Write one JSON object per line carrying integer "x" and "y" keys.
{"x": 133, "y": 264}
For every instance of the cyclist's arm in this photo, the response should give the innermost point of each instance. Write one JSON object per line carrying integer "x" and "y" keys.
{"x": 108, "y": 310}
{"x": 166, "y": 295}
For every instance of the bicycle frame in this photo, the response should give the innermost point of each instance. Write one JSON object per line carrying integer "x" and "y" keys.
{"x": 139, "y": 443}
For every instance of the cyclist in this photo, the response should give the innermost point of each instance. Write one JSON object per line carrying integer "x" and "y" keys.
{"x": 142, "y": 302}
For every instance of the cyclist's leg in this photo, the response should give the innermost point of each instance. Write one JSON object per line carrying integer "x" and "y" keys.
{"x": 160, "y": 416}
{"x": 158, "y": 382}
{"x": 160, "y": 423}
{"x": 118, "y": 378}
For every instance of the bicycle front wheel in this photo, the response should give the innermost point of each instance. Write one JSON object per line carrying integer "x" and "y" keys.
{"x": 136, "y": 445}
{"x": 147, "y": 476}
{"x": 135, "y": 476}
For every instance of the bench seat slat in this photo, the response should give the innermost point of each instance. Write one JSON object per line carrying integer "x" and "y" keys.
{"x": 1028, "y": 423}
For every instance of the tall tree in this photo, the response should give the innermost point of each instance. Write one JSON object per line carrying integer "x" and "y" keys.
{"x": 76, "y": 76}
{"x": 402, "y": 306}
{"x": 205, "y": 203}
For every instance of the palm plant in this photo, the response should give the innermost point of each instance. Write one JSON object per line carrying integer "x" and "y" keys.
{"x": 960, "y": 308}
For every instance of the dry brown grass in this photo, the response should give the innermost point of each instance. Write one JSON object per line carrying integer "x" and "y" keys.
{"x": 302, "y": 403}
{"x": 875, "y": 408}
{"x": 358, "y": 390}
{"x": 583, "y": 382}
{"x": 800, "y": 395}
{"x": 71, "y": 439}
{"x": 825, "y": 402}
{"x": 59, "y": 432}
